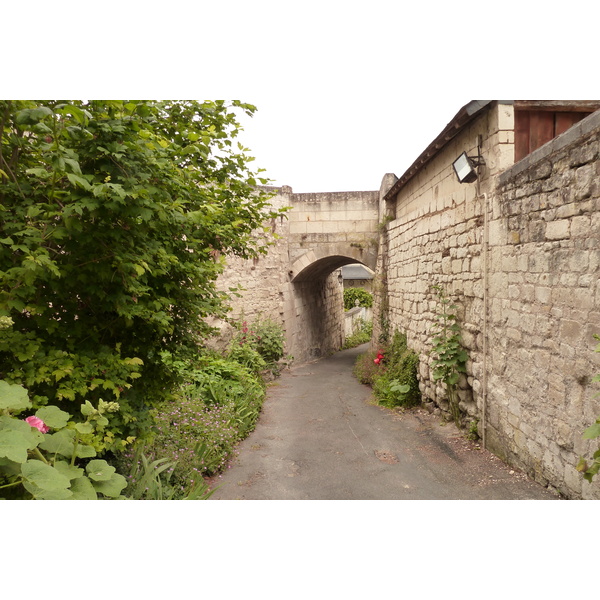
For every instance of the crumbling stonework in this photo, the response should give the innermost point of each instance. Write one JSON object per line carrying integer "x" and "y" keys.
{"x": 545, "y": 309}
{"x": 519, "y": 252}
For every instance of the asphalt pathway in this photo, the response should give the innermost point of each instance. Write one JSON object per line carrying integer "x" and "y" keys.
{"x": 321, "y": 437}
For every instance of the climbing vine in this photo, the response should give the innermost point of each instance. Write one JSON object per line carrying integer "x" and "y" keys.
{"x": 449, "y": 357}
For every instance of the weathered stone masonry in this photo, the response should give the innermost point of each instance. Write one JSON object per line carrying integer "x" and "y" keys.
{"x": 519, "y": 252}
{"x": 544, "y": 308}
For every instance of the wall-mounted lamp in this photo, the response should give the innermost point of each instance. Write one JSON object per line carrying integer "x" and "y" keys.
{"x": 465, "y": 166}
{"x": 340, "y": 277}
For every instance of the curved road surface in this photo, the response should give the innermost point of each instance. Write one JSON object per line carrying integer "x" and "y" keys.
{"x": 320, "y": 437}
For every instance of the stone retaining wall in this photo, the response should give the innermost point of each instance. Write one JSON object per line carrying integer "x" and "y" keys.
{"x": 544, "y": 309}
{"x": 519, "y": 253}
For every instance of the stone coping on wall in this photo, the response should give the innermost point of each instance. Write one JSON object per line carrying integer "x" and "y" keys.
{"x": 585, "y": 126}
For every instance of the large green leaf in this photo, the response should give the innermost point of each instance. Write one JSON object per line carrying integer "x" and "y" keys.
{"x": 16, "y": 438}
{"x": 60, "y": 442}
{"x": 13, "y": 397}
{"x": 39, "y": 493}
{"x": 85, "y": 451}
{"x": 53, "y": 416}
{"x": 44, "y": 476}
{"x": 113, "y": 487}
{"x": 84, "y": 428}
{"x": 99, "y": 470}
{"x": 83, "y": 489}
{"x": 68, "y": 470}
{"x": 30, "y": 116}
{"x": 14, "y": 446}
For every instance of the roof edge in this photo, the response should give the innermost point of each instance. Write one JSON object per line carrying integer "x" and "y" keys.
{"x": 462, "y": 118}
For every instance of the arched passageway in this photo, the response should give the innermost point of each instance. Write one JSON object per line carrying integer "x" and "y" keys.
{"x": 315, "y": 326}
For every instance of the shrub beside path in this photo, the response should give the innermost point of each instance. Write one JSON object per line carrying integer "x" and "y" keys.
{"x": 321, "y": 437}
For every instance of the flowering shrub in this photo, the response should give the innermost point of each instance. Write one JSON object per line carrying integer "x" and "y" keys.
{"x": 392, "y": 372}
{"x": 396, "y": 382}
{"x": 365, "y": 368}
{"x": 196, "y": 433}
{"x": 43, "y": 456}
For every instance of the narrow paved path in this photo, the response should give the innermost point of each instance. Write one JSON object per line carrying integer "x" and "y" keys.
{"x": 321, "y": 437}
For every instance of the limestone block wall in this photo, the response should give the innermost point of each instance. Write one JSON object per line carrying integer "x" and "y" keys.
{"x": 544, "y": 262}
{"x": 262, "y": 279}
{"x": 435, "y": 237}
{"x": 519, "y": 252}
{"x": 334, "y": 223}
{"x": 316, "y": 309}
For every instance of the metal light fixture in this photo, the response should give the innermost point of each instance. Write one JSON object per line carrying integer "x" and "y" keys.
{"x": 465, "y": 166}
{"x": 465, "y": 169}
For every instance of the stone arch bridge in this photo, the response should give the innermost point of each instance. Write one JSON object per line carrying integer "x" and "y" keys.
{"x": 298, "y": 282}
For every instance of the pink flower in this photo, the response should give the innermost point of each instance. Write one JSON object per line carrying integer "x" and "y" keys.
{"x": 38, "y": 424}
{"x": 376, "y": 361}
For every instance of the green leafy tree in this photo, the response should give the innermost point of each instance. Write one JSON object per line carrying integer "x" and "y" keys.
{"x": 351, "y": 295}
{"x": 113, "y": 219}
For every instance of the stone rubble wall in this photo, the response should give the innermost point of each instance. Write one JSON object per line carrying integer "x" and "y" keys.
{"x": 519, "y": 253}
{"x": 435, "y": 237}
{"x": 544, "y": 309}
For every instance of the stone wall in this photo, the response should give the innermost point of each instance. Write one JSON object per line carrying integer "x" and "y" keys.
{"x": 519, "y": 253}
{"x": 435, "y": 237}
{"x": 355, "y": 317}
{"x": 544, "y": 309}
{"x": 262, "y": 280}
{"x": 297, "y": 282}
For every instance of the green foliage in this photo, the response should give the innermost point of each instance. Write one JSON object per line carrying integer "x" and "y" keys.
{"x": 591, "y": 470}
{"x": 393, "y": 377}
{"x": 217, "y": 404}
{"x": 112, "y": 217}
{"x": 473, "y": 434}
{"x": 396, "y": 383}
{"x": 352, "y": 294}
{"x": 264, "y": 336}
{"x": 247, "y": 356}
{"x": 152, "y": 481}
{"x": 43, "y": 457}
{"x": 361, "y": 336}
{"x": 449, "y": 357}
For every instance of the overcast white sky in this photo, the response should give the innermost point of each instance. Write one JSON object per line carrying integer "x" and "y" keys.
{"x": 346, "y": 91}
{"x": 340, "y": 143}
